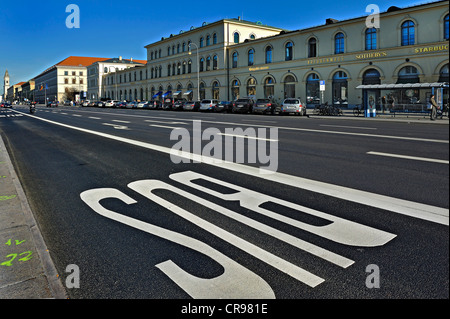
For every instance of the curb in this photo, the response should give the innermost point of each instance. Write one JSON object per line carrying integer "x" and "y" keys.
{"x": 39, "y": 278}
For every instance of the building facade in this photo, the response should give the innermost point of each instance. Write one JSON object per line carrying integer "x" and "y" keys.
{"x": 97, "y": 70}
{"x": 66, "y": 77}
{"x": 233, "y": 58}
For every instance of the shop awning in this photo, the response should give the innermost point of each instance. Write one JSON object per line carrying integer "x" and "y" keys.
{"x": 403, "y": 86}
{"x": 156, "y": 95}
{"x": 187, "y": 93}
{"x": 167, "y": 93}
{"x": 176, "y": 93}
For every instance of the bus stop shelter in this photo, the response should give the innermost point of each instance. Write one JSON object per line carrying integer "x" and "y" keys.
{"x": 402, "y": 97}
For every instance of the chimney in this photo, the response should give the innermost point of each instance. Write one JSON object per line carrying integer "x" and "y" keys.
{"x": 131, "y": 59}
{"x": 120, "y": 58}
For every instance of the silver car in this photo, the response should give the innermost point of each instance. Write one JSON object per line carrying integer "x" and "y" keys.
{"x": 208, "y": 105}
{"x": 293, "y": 105}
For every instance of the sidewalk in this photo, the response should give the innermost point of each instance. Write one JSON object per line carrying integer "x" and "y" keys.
{"x": 26, "y": 269}
{"x": 387, "y": 116}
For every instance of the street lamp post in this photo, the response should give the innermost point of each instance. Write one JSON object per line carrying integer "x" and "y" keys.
{"x": 198, "y": 69}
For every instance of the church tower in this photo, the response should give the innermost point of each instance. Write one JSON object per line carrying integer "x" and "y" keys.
{"x": 5, "y": 84}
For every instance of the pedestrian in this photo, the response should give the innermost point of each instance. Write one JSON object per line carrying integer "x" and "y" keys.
{"x": 434, "y": 108}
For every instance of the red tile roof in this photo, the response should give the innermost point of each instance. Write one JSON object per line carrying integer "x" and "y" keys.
{"x": 80, "y": 61}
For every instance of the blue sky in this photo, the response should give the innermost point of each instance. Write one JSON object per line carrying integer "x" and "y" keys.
{"x": 34, "y": 35}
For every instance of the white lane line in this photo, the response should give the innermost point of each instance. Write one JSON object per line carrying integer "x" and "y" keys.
{"x": 94, "y": 118}
{"x": 119, "y": 121}
{"x": 413, "y": 209}
{"x": 77, "y": 115}
{"x": 425, "y": 159}
{"x": 165, "y": 126}
{"x": 162, "y": 122}
{"x": 249, "y": 137}
{"x": 357, "y": 127}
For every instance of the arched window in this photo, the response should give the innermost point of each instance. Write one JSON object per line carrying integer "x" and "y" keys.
{"x": 173, "y": 49}
{"x": 208, "y": 40}
{"x": 371, "y": 76}
{"x": 215, "y": 63}
{"x": 235, "y": 60}
{"x": 168, "y": 51}
{"x": 269, "y": 88}
{"x": 339, "y": 43}
{"x": 184, "y": 47}
{"x": 251, "y": 53}
{"x": 288, "y": 52}
{"x": 340, "y": 88}
{"x": 189, "y": 66}
{"x": 289, "y": 87}
{"x": 202, "y": 91}
{"x": 371, "y": 39}
{"x": 251, "y": 87}
{"x": 168, "y": 70}
{"x": 312, "y": 89}
{"x": 202, "y": 62}
{"x": 201, "y": 42}
{"x": 178, "y": 68}
{"x": 312, "y": 48}
{"x": 215, "y": 90}
{"x": 178, "y": 48}
{"x": 446, "y": 27}
{"x": 408, "y": 33}
{"x": 443, "y": 74}
{"x": 208, "y": 63}
{"x": 408, "y": 74}
{"x": 184, "y": 67}
{"x": 235, "y": 89}
{"x": 269, "y": 54}
{"x": 236, "y": 37}
{"x": 215, "y": 38}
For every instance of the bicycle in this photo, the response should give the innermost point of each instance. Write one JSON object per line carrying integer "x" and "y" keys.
{"x": 357, "y": 111}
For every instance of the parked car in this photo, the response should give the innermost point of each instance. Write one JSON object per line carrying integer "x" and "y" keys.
{"x": 67, "y": 103}
{"x": 154, "y": 104}
{"x": 85, "y": 103}
{"x": 54, "y": 104}
{"x": 191, "y": 106}
{"x": 101, "y": 104}
{"x": 6, "y": 105}
{"x": 92, "y": 103}
{"x": 178, "y": 105}
{"x": 208, "y": 105}
{"x": 223, "y": 106}
{"x": 131, "y": 105}
{"x": 110, "y": 103}
{"x": 243, "y": 105}
{"x": 142, "y": 104}
{"x": 266, "y": 106}
{"x": 121, "y": 104}
{"x": 293, "y": 105}
{"x": 168, "y": 104}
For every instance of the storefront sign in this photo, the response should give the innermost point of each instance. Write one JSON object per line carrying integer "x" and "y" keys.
{"x": 326, "y": 60}
{"x": 371, "y": 55}
{"x": 259, "y": 68}
{"x": 434, "y": 48}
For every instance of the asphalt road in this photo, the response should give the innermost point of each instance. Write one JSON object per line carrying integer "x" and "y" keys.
{"x": 344, "y": 216}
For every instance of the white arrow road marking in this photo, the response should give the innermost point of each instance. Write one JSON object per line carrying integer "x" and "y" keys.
{"x": 117, "y": 127}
